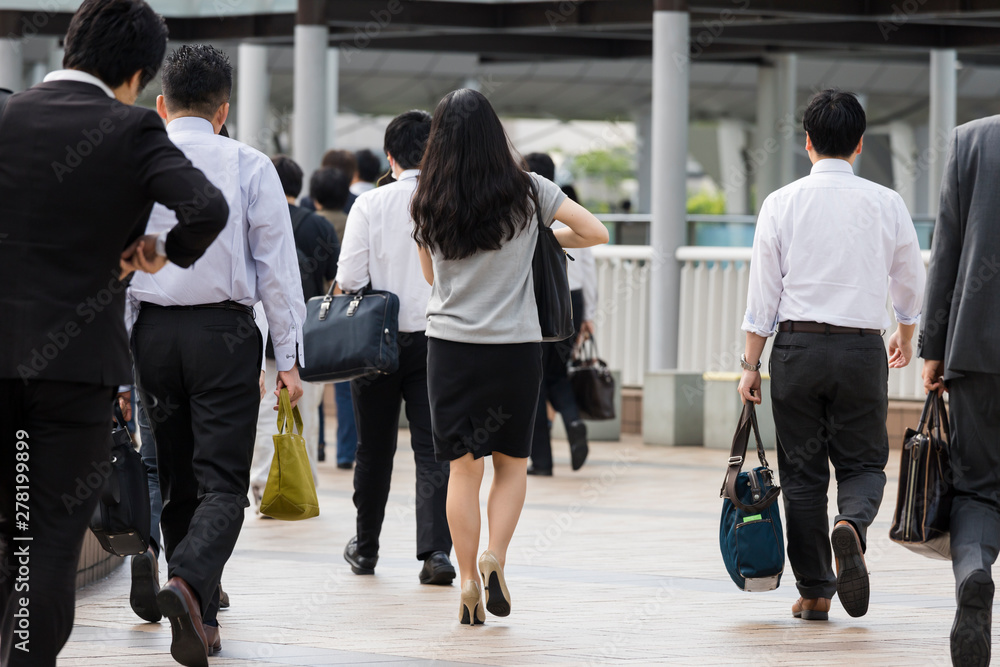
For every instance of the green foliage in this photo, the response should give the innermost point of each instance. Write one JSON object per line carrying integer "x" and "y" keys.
{"x": 612, "y": 166}
{"x": 706, "y": 203}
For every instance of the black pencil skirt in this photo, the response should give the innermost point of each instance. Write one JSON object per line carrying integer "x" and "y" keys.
{"x": 483, "y": 397}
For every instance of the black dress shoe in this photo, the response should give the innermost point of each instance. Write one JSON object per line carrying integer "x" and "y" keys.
{"x": 346, "y": 465}
{"x": 145, "y": 586}
{"x": 576, "y": 432}
{"x": 223, "y": 599}
{"x": 970, "y": 634}
{"x": 321, "y": 452}
{"x": 852, "y": 574}
{"x": 359, "y": 564}
{"x": 437, "y": 570}
{"x": 540, "y": 472}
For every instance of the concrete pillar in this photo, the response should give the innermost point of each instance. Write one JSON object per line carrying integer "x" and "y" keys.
{"x": 253, "y": 82}
{"x": 765, "y": 163}
{"x": 12, "y": 63}
{"x": 903, "y": 144}
{"x": 732, "y": 139}
{"x": 786, "y": 72}
{"x": 944, "y": 95}
{"x": 56, "y": 57}
{"x": 671, "y": 80}
{"x": 332, "y": 95}
{"x": 309, "y": 101}
{"x": 644, "y": 159}
{"x": 37, "y": 73}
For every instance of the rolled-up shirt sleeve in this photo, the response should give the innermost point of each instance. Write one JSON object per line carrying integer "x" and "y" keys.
{"x": 764, "y": 291}
{"x": 352, "y": 267}
{"x": 907, "y": 277}
{"x": 272, "y": 247}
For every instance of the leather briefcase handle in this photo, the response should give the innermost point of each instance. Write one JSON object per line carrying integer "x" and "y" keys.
{"x": 737, "y": 455}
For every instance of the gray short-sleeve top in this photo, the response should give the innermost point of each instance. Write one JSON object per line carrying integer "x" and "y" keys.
{"x": 489, "y": 297}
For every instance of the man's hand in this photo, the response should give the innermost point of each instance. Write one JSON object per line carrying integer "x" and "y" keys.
{"x": 263, "y": 389}
{"x": 933, "y": 375}
{"x": 750, "y": 387}
{"x": 141, "y": 256}
{"x": 900, "y": 350}
{"x": 289, "y": 379}
{"x": 125, "y": 403}
{"x": 586, "y": 331}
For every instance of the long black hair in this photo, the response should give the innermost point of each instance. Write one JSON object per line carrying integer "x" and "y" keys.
{"x": 472, "y": 194}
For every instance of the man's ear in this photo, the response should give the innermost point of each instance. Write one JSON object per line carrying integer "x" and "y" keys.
{"x": 809, "y": 143}
{"x": 221, "y": 114}
{"x": 861, "y": 142}
{"x": 161, "y": 107}
{"x": 135, "y": 83}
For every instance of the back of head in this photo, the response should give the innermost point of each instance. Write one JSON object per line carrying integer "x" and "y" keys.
{"x": 472, "y": 194}
{"x": 835, "y": 122}
{"x": 329, "y": 188}
{"x": 541, "y": 164}
{"x": 342, "y": 160}
{"x": 369, "y": 165}
{"x": 289, "y": 173}
{"x": 406, "y": 138}
{"x": 571, "y": 193}
{"x": 114, "y": 39}
{"x": 198, "y": 79}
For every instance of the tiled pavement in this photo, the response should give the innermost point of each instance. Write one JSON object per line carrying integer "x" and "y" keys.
{"x": 616, "y": 564}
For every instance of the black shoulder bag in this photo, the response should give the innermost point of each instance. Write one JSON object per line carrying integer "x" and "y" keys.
{"x": 555, "y": 308}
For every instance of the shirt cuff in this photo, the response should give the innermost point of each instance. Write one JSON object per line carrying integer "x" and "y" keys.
{"x": 124, "y": 388}
{"x": 902, "y": 319}
{"x": 286, "y": 356}
{"x": 750, "y": 327}
{"x": 161, "y": 245}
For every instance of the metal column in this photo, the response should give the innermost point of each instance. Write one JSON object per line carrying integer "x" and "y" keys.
{"x": 309, "y": 122}
{"x": 671, "y": 51}
{"x": 644, "y": 159}
{"x": 944, "y": 95}
{"x": 332, "y": 95}
{"x": 253, "y": 110}
{"x": 12, "y": 63}
{"x": 765, "y": 161}
{"x": 732, "y": 139}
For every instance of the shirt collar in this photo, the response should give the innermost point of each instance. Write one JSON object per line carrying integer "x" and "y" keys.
{"x": 77, "y": 75}
{"x": 190, "y": 124}
{"x": 408, "y": 174}
{"x": 832, "y": 164}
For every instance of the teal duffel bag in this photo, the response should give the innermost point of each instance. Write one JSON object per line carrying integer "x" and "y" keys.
{"x": 750, "y": 536}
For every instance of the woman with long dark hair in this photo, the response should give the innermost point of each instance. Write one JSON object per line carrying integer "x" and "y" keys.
{"x": 474, "y": 220}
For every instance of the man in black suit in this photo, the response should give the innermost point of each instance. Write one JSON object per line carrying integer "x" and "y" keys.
{"x": 80, "y": 169}
{"x": 962, "y": 356}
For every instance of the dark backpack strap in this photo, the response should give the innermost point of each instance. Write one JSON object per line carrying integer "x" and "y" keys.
{"x": 299, "y": 217}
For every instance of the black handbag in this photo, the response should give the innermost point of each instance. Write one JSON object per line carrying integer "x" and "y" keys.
{"x": 922, "y": 519}
{"x": 350, "y": 335}
{"x": 122, "y": 516}
{"x": 593, "y": 386}
{"x": 548, "y": 266}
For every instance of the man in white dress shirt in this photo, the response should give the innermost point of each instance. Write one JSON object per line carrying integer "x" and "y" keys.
{"x": 826, "y": 251}
{"x": 198, "y": 353}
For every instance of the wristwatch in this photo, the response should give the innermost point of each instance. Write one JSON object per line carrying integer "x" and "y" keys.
{"x": 748, "y": 366}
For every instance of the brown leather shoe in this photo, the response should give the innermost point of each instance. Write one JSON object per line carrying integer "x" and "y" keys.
{"x": 179, "y": 604}
{"x": 812, "y": 609}
{"x": 214, "y": 638}
{"x": 852, "y": 574}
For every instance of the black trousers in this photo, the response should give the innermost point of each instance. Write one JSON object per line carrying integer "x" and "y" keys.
{"x": 556, "y": 389}
{"x": 975, "y": 462}
{"x": 197, "y": 373}
{"x": 830, "y": 400}
{"x": 55, "y": 440}
{"x": 376, "y": 410}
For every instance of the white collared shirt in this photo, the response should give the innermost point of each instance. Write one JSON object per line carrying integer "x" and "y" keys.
{"x": 378, "y": 246}
{"x": 829, "y": 248}
{"x": 361, "y": 187}
{"x": 82, "y": 77}
{"x": 253, "y": 258}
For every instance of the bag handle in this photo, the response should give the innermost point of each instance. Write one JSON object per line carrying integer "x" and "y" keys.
{"x": 938, "y": 425}
{"x": 287, "y": 414}
{"x": 747, "y": 423}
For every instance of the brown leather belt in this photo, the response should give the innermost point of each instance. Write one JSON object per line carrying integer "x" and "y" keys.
{"x": 223, "y": 305}
{"x": 789, "y": 326}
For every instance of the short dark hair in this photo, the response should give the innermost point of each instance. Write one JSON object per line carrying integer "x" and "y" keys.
{"x": 406, "y": 138}
{"x": 369, "y": 165}
{"x": 114, "y": 39}
{"x": 329, "y": 187}
{"x": 289, "y": 173}
{"x": 541, "y": 164}
{"x": 342, "y": 160}
{"x": 835, "y": 122}
{"x": 197, "y": 78}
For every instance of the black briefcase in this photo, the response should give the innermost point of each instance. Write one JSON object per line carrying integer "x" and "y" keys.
{"x": 121, "y": 520}
{"x": 350, "y": 336}
{"x": 593, "y": 385}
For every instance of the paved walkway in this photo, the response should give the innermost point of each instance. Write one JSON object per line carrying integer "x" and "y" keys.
{"x": 616, "y": 564}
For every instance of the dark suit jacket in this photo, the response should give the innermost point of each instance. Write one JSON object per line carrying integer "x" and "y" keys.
{"x": 961, "y": 320}
{"x": 79, "y": 173}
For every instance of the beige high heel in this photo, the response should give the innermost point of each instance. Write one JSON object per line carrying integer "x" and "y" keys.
{"x": 497, "y": 595}
{"x": 471, "y": 611}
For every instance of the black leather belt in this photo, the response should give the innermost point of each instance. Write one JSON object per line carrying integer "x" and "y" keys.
{"x": 789, "y": 326}
{"x": 222, "y": 305}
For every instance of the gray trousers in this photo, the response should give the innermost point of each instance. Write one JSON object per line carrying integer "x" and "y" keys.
{"x": 829, "y": 394}
{"x": 975, "y": 462}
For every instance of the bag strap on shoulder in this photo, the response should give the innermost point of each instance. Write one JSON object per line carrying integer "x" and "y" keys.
{"x": 300, "y": 215}
{"x": 737, "y": 456}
